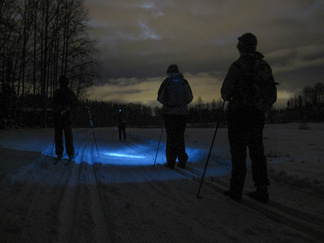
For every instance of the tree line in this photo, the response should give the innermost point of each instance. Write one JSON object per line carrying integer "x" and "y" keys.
{"x": 104, "y": 114}
{"x": 304, "y": 106}
{"x": 39, "y": 41}
{"x": 308, "y": 105}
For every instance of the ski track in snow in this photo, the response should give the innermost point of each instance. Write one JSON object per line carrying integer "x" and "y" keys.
{"x": 90, "y": 200}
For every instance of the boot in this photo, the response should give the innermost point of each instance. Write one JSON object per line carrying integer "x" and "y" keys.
{"x": 183, "y": 160}
{"x": 71, "y": 157}
{"x": 234, "y": 194}
{"x": 261, "y": 194}
{"x": 181, "y": 165}
{"x": 170, "y": 165}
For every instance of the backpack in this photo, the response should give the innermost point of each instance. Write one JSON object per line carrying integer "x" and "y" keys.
{"x": 175, "y": 93}
{"x": 257, "y": 87}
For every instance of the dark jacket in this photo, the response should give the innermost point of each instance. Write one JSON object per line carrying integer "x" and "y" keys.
{"x": 64, "y": 101}
{"x": 235, "y": 84}
{"x": 121, "y": 118}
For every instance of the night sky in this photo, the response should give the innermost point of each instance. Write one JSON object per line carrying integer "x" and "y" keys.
{"x": 139, "y": 39}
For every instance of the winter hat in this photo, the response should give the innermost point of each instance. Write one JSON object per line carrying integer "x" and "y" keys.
{"x": 247, "y": 43}
{"x": 172, "y": 69}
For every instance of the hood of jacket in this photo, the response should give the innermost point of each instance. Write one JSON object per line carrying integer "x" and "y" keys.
{"x": 175, "y": 76}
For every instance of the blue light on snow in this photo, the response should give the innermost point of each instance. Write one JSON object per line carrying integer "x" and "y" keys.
{"x": 125, "y": 155}
{"x": 114, "y": 153}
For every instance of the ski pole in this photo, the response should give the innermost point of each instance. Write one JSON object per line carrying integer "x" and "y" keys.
{"x": 157, "y": 151}
{"x": 93, "y": 132}
{"x": 211, "y": 147}
{"x": 53, "y": 146}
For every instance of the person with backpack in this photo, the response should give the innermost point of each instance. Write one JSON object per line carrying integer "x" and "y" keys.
{"x": 64, "y": 101}
{"x": 175, "y": 94}
{"x": 250, "y": 88}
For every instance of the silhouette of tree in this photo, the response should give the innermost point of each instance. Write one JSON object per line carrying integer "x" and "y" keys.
{"x": 41, "y": 40}
{"x": 308, "y": 105}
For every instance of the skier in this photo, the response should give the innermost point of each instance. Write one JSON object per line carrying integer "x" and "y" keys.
{"x": 121, "y": 120}
{"x": 64, "y": 102}
{"x": 7, "y": 101}
{"x": 246, "y": 120}
{"x": 175, "y": 94}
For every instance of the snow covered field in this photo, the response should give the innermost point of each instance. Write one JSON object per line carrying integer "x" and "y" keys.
{"x": 121, "y": 196}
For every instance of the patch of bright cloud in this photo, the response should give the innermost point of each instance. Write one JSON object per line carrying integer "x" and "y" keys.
{"x": 133, "y": 90}
{"x": 147, "y": 32}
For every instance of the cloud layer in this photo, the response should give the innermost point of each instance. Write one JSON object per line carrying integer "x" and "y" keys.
{"x": 139, "y": 39}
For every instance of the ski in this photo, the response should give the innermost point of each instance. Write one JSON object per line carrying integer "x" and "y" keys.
{"x": 277, "y": 212}
{"x": 273, "y": 210}
{"x": 72, "y": 158}
{"x": 57, "y": 160}
{"x": 68, "y": 162}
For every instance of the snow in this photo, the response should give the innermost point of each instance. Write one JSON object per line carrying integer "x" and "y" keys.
{"x": 124, "y": 195}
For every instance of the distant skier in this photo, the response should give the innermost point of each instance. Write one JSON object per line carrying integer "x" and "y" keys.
{"x": 64, "y": 102}
{"x": 121, "y": 120}
{"x": 175, "y": 94}
{"x": 250, "y": 88}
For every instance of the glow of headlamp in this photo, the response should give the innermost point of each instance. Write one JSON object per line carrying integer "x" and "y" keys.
{"x": 126, "y": 155}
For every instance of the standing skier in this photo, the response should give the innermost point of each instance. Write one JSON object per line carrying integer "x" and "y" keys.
{"x": 175, "y": 94}
{"x": 121, "y": 119}
{"x": 246, "y": 116}
{"x": 64, "y": 101}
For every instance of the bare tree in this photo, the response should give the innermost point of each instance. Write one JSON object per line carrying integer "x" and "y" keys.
{"x": 41, "y": 40}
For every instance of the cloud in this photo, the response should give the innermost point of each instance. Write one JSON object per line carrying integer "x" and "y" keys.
{"x": 138, "y": 39}
{"x": 128, "y": 90}
{"x": 298, "y": 58}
